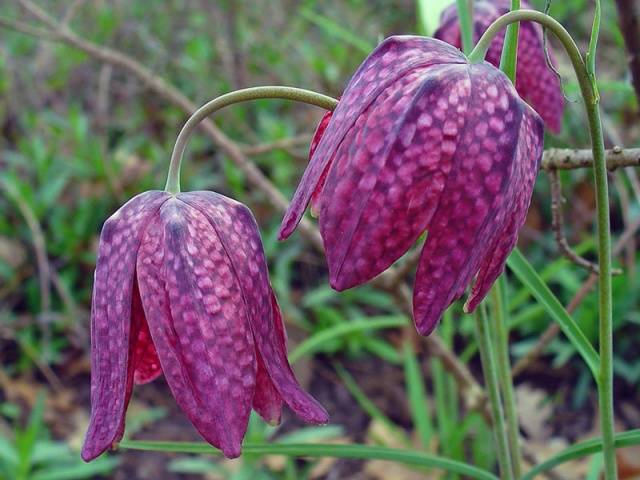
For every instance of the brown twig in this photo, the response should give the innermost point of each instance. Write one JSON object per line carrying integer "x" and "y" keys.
{"x": 628, "y": 17}
{"x": 557, "y": 225}
{"x": 571, "y": 159}
{"x": 470, "y": 389}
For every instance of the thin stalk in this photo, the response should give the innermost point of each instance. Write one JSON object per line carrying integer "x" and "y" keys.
{"x": 499, "y": 311}
{"x": 591, "y": 99}
{"x": 255, "y": 93}
{"x": 362, "y": 452}
{"x": 490, "y": 371}
{"x": 465, "y": 15}
{"x": 509, "y": 58}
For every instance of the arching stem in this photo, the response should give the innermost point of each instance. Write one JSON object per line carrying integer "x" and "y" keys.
{"x": 584, "y": 72}
{"x": 255, "y": 93}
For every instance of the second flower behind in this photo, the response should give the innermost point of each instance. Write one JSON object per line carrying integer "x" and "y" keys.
{"x": 422, "y": 140}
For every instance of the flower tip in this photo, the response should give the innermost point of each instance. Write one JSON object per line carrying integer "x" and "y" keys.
{"x": 320, "y": 417}
{"x": 286, "y": 229}
{"x": 231, "y": 451}
{"x": 90, "y": 452}
{"x": 338, "y": 283}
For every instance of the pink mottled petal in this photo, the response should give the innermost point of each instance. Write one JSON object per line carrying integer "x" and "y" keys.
{"x": 239, "y": 233}
{"x": 392, "y": 59}
{"x": 527, "y": 162}
{"x": 538, "y": 84}
{"x": 469, "y": 209}
{"x": 389, "y": 172}
{"x": 535, "y": 81}
{"x": 267, "y": 400}
{"x": 197, "y": 318}
{"x": 315, "y": 141}
{"x": 111, "y": 369}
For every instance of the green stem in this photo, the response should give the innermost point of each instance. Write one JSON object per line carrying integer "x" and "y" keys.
{"x": 465, "y": 15}
{"x": 499, "y": 311}
{"x": 490, "y": 371}
{"x": 409, "y": 457}
{"x": 508, "y": 60}
{"x": 591, "y": 99}
{"x": 255, "y": 93}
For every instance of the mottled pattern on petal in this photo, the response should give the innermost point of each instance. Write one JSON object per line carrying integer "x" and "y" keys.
{"x": 267, "y": 400}
{"x": 527, "y": 163}
{"x": 315, "y": 141}
{"x": 470, "y": 206}
{"x": 535, "y": 81}
{"x": 144, "y": 356}
{"x": 391, "y": 60}
{"x": 198, "y": 321}
{"x": 538, "y": 84}
{"x": 239, "y": 233}
{"x": 111, "y": 370}
{"x": 389, "y": 172}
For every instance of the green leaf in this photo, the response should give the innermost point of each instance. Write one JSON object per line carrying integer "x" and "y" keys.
{"x": 583, "y": 449}
{"x": 541, "y": 292}
{"x": 76, "y": 471}
{"x": 416, "y": 392}
{"x": 363, "y": 452}
{"x": 316, "y": 341}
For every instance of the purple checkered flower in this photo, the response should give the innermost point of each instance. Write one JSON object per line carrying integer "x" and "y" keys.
{"x": 181, "y": 288}
{"x": 422, "y": 141}
{"x": 535, "y": 81}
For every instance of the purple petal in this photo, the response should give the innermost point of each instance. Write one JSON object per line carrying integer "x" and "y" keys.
{"x": 538, "y": 84}
{"x": 520, "y": 189}
{"x": 267, "y": 400}
{"x": 315, "y": 141}
{"x": 111, "y": 366}
{"x": 390, "y": 171}
{"x": 143, "y": 356}
{"x": 535, "y": 81}
{"x": 392, "y": 59}
{"x": 197, "y": 319}
{"x": 470, "y": 206}
{"x": 238, "y": 231}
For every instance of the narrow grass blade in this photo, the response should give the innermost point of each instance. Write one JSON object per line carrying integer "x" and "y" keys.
{"x": 541, "y": 292}
{"x": 315, "y": 342}
{"x": 363, "y": 452}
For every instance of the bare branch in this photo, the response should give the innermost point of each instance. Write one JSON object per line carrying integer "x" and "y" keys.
{"x": 570, "y": 159}
{"x": 557, "y": 225}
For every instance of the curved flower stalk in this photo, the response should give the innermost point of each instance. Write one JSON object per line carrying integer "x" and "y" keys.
{"x": 422, "y": 140}
{"x": 535, "y": 81}
{"x": 181, "y": 288}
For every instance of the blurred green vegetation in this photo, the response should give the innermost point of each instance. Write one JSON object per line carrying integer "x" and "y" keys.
{"x": 79, "y": 137}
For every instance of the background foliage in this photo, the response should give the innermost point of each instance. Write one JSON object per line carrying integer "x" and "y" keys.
{"x": 79, "y": 137}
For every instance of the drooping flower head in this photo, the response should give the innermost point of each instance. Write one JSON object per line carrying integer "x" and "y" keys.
{"x": 421, "y": 140}
{"x": 181, "y": 288}
{"x": 535, "y": 81}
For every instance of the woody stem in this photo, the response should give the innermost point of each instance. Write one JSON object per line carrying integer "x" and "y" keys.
{"x": 255, "y": 93}
{"x": 584, "y": 72}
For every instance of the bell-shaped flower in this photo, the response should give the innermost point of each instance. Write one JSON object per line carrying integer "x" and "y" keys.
{"x": 422, "y": 140}
{"x": 181, "y": 288}
{"x": 536, "y": 82}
